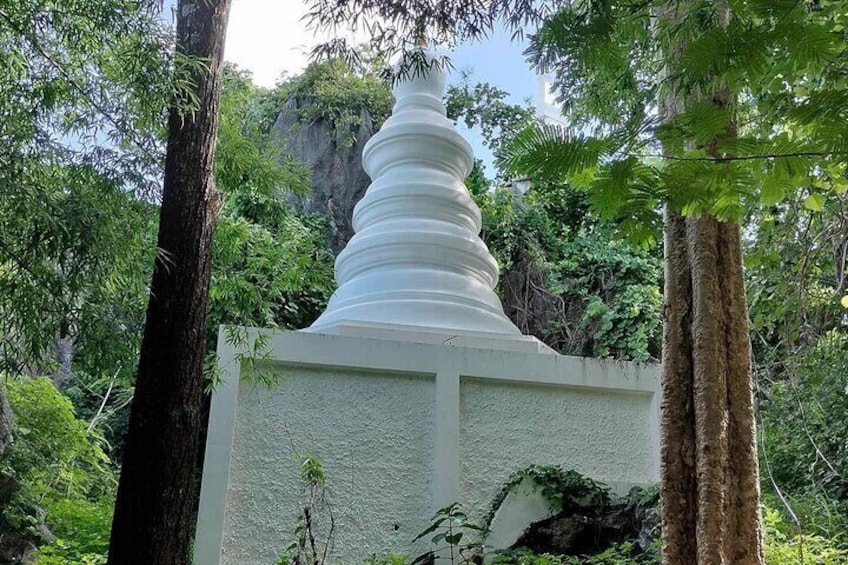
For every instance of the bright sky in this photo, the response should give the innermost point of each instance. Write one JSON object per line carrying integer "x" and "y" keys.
{"x": 268, "y": 37}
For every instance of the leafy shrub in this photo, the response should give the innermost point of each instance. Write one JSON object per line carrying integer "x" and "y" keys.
{"x": 567, "y": 279}
{"x": 619, "y": 554}
{"x": 63, "y": 474}
{"x": 55, "y": 456}
{"x": 455, "y": 537}
{"x": 782, "y": 548}
{"x": 562, "y": 489}
{"x": 523, "y": 557}
{"x": 387, "y": 559}
{"x": 338, "y": 95}
{"x": 83, "y": 524}
{"x": 804, "y": 427}
{"x": 68, "y": 552}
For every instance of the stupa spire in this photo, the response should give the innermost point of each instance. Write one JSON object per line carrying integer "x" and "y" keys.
{"x": 417, "y": 259}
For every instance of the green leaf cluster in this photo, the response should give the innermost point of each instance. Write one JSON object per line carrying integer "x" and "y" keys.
{"x": 804, "y": 455}
{"x": 337, "y": 93}
{"x": 711, "y": 116}
{"x": 60, "y": 467}
{"x": 455, "y": 537}
{"x": 271, "y": 266}
{"x": 567, "y": 279}
{"x": 54, "y": 453}
{"x": 485, "y": 106}
{"x": 564, "y": 490}
{"x": 784, "y": 547}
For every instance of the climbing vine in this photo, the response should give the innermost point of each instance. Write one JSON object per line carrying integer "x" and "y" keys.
{"x": 562, "y": 489}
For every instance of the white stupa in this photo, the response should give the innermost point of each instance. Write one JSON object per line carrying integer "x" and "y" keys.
{"x": 413, "y": 389}
{"x": 417, "y": 261}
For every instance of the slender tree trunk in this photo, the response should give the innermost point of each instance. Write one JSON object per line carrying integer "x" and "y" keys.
{"x": 7, "y": 422}
{"x": 153, "y": 521}
{"x": 63, "y": 355}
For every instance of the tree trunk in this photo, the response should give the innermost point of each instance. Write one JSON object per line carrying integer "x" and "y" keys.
{"x": 63, "y": 355}
{"x": 710, "y": 482}
{"x": 7, "y": 422}
{"x": 709, "y": 471}
{"x": 153, "y": 521}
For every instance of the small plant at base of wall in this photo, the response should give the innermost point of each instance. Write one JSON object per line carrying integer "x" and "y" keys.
{"x": 310, "y": 548}
{"x": 455, "y": 538}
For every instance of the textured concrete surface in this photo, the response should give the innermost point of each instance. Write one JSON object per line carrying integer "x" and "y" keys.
{"x": 372, "y": 434}
{"x": 404, "y": 427}
{"x": 508, "y": 426}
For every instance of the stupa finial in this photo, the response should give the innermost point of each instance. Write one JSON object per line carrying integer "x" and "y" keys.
{"x": 420, "y": 34}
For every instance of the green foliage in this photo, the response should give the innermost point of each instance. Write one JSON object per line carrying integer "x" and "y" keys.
{"x": 483, "y": 105}
{"x": 73, "y": 263}
{"x": 315, "y": 523}
{"x": 82, "y": 532}
{"x": 277, "y": 275}
{"x": 60, "y": 468}
{"x": 476, "y": 182}
{"x": 803, "y": 430}
{"x": 312, "y": 472}
{"x": 568, "y": 280}
{"x": 81, "y": 526}
{"x": 333, "y": 91}
{"x": 271, "y": 267}
{"x": 746, "y": 130}
{"x": 250, "y": 156}
{"x": 784, "y": 548}
{"x": 456, "y": 539}
{"x": 796, "y": 277}
{"x": 63, "y": 552}
{"x": 619, "y": 554}
{"x": 563, "y": 490}
{"x": 84, "y": 82}
{"x": 524, "y": 557}
{"x": 387, "y": 559}
{"x": 84, "y": 90}
{"x": 54, "y": 455}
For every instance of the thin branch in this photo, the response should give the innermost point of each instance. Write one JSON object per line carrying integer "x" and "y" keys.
{"x": 102, "y": 404}
{"x": 748, "y": 157}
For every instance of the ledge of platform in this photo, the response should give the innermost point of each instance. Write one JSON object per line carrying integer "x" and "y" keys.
{"x": 434, "y": 336}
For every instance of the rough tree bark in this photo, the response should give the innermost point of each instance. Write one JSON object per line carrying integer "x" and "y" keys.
{"x": 710, "y": 488}
{"x": 709, "y": 472}
{"x": 153, "y": 521}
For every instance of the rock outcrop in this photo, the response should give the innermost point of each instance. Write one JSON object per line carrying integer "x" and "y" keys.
{"x": 577, "y": 517}
{"x": 335, "y": 158}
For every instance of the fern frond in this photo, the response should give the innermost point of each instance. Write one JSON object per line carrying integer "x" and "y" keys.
{"x": 596, "y": 51}
{"x": 548, "y": 151}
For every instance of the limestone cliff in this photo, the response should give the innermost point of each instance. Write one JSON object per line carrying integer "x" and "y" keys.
{"x": 338, "y": 180}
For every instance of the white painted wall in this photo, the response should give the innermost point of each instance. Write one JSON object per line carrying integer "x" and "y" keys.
{"x": 404, "y": 427}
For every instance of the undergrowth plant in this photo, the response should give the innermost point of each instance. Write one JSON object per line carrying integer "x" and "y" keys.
{"x": 314, "y": 540}
{"x": 455, "y": 537}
